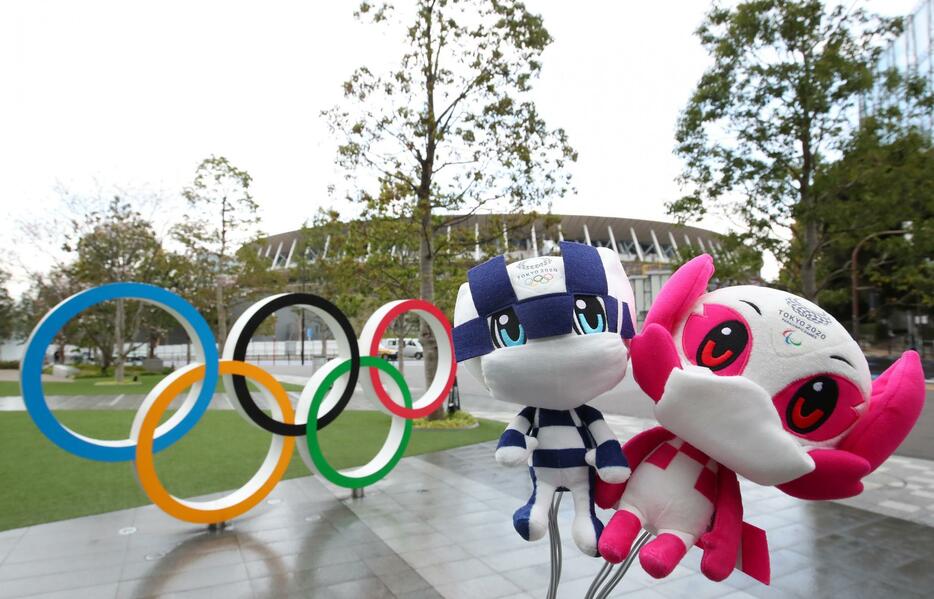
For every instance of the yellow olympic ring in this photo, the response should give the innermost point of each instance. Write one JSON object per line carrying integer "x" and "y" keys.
{"x": 241, "y": 500}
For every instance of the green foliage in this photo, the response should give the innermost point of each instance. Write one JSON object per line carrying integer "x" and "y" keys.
{"x": 738, "y": 263}
{"x": 884, "y": 180}
{"x": 221, "y": 267}
{"x": 8, "y": 314}
{"x": 777, "y": 102}
{"x": 458, "y": 420}
{"x": 115, "y": 244}
{"x": 450, "y": 129}
{"x": 452, "y": 124}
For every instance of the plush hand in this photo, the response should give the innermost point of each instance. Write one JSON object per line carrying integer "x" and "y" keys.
{"x": 837, "y": 474}
{"x": 609, "y": 471}
{"x": 719, "y": 555}
{"x": 514, "y": 455}
{"x": 654, "y": 356}
{"x": 722, "y": 541}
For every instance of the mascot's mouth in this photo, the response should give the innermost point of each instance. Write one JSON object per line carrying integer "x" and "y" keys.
{"x": 733, "y": 420}
{"x": 556, "y": 373}
{"x": 802, "y": 421}
{"x": 709, "y": 360}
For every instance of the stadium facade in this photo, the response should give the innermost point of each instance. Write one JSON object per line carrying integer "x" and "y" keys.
{"x": 648, "y": 249}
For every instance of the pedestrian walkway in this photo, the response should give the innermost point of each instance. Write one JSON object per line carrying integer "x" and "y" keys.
{"x": 438, "y": 526}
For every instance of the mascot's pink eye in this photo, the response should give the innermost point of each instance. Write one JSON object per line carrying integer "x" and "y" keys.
{"x": 723, "y": 345}
{"x": 819, "y": 407}
{"x": 812, "y": 404}
{"x": 717, "y": 338}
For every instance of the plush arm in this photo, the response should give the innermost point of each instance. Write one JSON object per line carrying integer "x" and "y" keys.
{"x": 721, "y": 543}
{"x": 607, "y": 457}
{"x": 606, "y": 494}
{"x": 837, "y": 475}
{"x": 654, "y": 357}
{"x": 653, "y": 352}
{"x": 515, "y": 446}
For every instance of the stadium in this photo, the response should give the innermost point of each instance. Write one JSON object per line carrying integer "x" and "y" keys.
{"x": 648, "y": 249}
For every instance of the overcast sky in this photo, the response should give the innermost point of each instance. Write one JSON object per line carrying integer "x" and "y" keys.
{"x": 96, "y": 95}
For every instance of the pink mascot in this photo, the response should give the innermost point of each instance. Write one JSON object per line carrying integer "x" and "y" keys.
{"x": 750, "y": 381}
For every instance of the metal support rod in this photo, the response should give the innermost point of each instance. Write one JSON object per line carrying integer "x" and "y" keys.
{"x": 554, "y": 538}
{"x": 598, "y": 580}
{"x": 624, "y": 567}
{"x": 357, "y": 492}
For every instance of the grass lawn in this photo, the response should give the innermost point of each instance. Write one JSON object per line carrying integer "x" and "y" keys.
{"x": 105, "y": 386}
{"x": 41, "y": 483}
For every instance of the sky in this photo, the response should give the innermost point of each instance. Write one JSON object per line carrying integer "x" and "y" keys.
{"x": 100, "y": 96}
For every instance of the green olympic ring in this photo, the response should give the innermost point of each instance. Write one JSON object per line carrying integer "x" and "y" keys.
{"x": 393, "y": 448}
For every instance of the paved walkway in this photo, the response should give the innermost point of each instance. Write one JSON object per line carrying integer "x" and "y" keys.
{"x": 438, "y": 526}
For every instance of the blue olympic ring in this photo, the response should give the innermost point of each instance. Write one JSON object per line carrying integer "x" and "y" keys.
{"x": 44, "y": 334}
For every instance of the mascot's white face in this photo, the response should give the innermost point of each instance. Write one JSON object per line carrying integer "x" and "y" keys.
{"x": 547, "y": 332}
{"x": 801, "y": 356}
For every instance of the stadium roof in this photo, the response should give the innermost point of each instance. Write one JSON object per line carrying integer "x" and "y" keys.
{"x": 636, "y": 240}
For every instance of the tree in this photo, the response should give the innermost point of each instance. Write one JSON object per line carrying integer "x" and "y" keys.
{"x": 114, "y": 245}
{"x": 45, "y": 291}
{"x": 223, "y": 220}
{"x": 7, "y": 308}
{"x": 883, "y": 182}
{"x": 452, "y": 128}
{"x": 764, "y": 118}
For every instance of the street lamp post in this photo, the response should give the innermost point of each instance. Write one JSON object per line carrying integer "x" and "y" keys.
{"x": 854, "y": 275}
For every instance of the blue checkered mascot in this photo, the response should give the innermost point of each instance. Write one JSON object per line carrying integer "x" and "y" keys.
{"x": 551, "y": 333}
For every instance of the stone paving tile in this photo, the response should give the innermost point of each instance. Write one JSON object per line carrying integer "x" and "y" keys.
{"x": 104, "y": 591}
{"x": 55, "y": 583}
{"x": 491, "y": 586}
{"x": 448, "y": 572}
{"x": 371, "y": 588}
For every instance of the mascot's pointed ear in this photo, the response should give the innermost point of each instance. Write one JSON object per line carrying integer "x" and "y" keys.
{"x": 894, "y": 406}
{"x": 680, "y": 292}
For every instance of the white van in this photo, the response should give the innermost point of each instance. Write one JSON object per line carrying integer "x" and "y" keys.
{"x": 412, "y": 347}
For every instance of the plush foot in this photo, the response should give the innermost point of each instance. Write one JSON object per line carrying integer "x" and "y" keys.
{"x": 529, "y": 527}
{"x": 586, "y": 531}
{"x": 660, "y": 556}
{"x": 617, "y": 537}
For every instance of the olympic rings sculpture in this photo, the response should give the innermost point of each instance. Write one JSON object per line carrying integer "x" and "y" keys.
{"x": 323, "y": 398}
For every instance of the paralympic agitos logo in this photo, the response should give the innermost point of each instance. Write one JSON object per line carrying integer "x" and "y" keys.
{"x": 322, "y": 400}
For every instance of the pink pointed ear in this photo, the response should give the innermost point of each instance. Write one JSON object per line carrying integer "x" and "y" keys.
{"x": 894, "y": 407}
{"x": 680, "y": 292}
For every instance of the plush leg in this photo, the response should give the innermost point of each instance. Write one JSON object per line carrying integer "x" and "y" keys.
{"x": 660, "y": 555}
{"x": 620, "y": 532}
{"x": 587, "y": 527}
{"x": 531, "y": 520}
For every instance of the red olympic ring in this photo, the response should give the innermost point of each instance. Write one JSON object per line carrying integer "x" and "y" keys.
{"x": 441, "y": 328}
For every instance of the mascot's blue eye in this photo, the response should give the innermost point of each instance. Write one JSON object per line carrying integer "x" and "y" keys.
{"x": 506, "y": 330}
{"x": 509, "y": 342}
{"x": 589, "y": 315}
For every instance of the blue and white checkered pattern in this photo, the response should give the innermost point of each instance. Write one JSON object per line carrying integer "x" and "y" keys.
{"x": 567, "y": 429}
{"x": 492, "y": 290}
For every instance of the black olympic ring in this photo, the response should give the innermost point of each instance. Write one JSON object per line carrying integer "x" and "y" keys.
{"x": 245, "y": 334}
